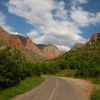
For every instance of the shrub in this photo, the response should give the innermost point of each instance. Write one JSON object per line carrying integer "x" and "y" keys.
{"x": 10, "y": 61}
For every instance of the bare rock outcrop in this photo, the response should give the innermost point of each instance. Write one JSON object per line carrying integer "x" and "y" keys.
{"x": 94, "y": 39}
{"x": 29, "y": 48}
{"x": 77, "y": 46}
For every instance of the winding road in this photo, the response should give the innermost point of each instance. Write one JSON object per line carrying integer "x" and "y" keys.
{"x": 54, "y": 88}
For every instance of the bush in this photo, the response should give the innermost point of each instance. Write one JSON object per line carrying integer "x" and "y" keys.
{"x": 88, "y": 71}
{"x": 49, "y": 67}
{"x": 62, "y": 64}
{"x": 10, "y": 61}
{"x": 36, "y": 70}
{"x": 96, "y": 95}
{"x": 14, "y": 67}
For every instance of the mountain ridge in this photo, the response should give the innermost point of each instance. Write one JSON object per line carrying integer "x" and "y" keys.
{"x": 95, "y": 38}
{"x": 25, "y": 44}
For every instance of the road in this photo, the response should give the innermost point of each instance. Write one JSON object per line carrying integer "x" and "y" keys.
{"x": 54, "y": 88}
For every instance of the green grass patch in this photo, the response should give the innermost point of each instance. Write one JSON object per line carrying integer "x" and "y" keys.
{"x": 96, "y": 80}
{"x": 96, "y": 95}
{"x": 93, "y": 80}
{"x": 24, "y": 86}
{"x": 65, "y": 73}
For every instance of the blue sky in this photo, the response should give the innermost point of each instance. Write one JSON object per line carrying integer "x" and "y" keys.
{"x": 58, "y": 22}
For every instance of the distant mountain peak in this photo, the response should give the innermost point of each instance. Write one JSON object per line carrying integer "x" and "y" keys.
{"x": 94, "y": 39}
{"x": 77, "y": 46}
{"x": 51, "y": 51}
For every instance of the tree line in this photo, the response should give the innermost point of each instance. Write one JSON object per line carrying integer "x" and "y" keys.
{"x": 14, "y": 67}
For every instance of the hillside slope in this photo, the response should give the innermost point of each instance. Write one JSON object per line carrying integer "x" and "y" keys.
{"x": 30, "y": 49}
{"x": 86, "y": 60}
{"x": 90, "y": 52}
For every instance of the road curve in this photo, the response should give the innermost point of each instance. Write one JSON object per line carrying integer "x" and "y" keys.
{"x": 54, "y": 88}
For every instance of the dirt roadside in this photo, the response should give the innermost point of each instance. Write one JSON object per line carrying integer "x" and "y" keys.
{"x": 85, "y": 87}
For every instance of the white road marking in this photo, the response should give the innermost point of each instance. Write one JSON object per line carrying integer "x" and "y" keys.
{"x": 54, "y": 90}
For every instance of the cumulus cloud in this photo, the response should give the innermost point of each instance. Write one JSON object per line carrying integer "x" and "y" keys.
{"x": 85, "y": 18}
{"x": 53, "y": 24}
{"x": 33, "y": 34}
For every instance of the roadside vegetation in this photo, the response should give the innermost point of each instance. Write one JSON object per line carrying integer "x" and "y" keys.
{"x": 96, "y": 95}
{"x": 14, "y": 67}
{"x": 17, "y": 75}
{"x": 24, "y": 86}
{"x": 65, "y": 73}
{"x": 82, "y": 63}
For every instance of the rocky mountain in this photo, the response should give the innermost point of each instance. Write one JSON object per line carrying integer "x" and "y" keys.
{"x": 88, "y": 55}
{"x": 30, "y": 49}
{"x": 94, "y": 39}
{"x": 77, "y": 46}
{"x": 50, "y": 50}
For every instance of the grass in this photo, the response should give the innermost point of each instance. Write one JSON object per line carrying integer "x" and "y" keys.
{"x": 96, "y": 95}
{"x": 65, "y": 73}
{"x": 93, "y": 80}
{"x": 96, "y": 92}
{"x": 24, "y": 86}
{"x": 96, "y": 80}
{"x": 71, "y": 73}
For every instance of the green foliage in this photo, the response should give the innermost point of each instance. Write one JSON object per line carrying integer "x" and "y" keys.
{"x": 85, "y": 60}
{"x": 10, "y": 61}
{"x": 24, "y": 86}
{"x": 96, "y": 95}
{"x": 14, "y": 67}
{"x": 62, "y": 64}
{"x": 66, "y": 73}
{"x": 36, "y": 70}
{"x": 49, "y": 67}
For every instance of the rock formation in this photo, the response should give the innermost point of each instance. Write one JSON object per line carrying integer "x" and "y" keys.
{"x": 94, "y": 39}
{"x": 28, "y": 47}
{"x": 77, "y": 46}
{"x": 50, "y": 51}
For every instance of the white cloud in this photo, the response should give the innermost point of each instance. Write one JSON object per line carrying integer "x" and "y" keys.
{"x": 14, "y": 33}
{"x": 85, "y": 18}
{"x": 51, "y": 19}
{"x": 33, "y": 34}
{"x": 63, "y": 48}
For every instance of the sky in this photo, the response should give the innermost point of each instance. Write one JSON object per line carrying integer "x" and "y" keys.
{"x": 59, "y": 22}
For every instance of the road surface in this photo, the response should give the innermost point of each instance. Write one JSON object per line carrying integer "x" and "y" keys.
{"x": 54, "y": 88}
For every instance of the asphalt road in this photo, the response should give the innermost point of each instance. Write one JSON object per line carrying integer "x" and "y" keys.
{"x": 54, "y": 89}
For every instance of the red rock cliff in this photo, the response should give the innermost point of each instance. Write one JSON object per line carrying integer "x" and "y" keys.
{"x": 94, "y": 39}
{"x": 26, "y": 45}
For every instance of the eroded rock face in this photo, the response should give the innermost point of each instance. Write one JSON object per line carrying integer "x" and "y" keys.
{"x": 4, "y": 35}
{"x": 51, "y": 51}
{"x": 20, "y": 42}
{"x": 94, "y": 39}
{"x": 77, "y": 46}
{"x": 27, "y": 46}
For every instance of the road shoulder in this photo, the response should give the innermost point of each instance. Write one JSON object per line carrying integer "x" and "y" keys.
{"x": 85, "y": 87}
